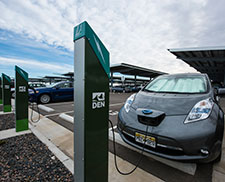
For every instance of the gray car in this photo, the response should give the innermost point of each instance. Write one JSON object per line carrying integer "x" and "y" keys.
{"x": 181, "y": 115}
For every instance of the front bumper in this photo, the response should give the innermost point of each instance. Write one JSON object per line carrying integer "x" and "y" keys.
{"x": 174, "y": 139}
{"x": 32, "y": 98}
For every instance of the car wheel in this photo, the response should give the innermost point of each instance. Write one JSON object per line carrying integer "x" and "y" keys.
{"x": 44, "y": 99}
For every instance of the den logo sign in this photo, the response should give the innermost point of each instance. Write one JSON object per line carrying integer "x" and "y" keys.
{"x": 98, "y": 100}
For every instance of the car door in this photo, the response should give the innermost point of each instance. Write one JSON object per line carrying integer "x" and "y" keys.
{"x": 63, "y": 91}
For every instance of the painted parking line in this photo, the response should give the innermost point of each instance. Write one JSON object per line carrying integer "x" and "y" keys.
{"x": 60, "y": 103}
{"x": 55, "y": 114}
{"x": 117, "y": 104}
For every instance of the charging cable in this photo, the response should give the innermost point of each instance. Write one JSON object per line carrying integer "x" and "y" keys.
{"x": 32, "y": 111}
{"x": 32, "y": 108}
{"x": 114, "y": 148}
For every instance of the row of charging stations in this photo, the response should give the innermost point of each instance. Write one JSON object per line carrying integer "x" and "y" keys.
{"x": 21, "y": 97}
{"x": 91, "y": 97}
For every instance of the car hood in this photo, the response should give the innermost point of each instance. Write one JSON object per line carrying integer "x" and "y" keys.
{"x": 170, "y": 104}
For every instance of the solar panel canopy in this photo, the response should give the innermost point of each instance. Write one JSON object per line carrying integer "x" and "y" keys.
{"x": 209, "y": 60}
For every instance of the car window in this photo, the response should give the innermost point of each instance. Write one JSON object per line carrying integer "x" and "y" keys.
{"x": 71, "y": 84}
{"x": 65, "y": 85}
{"x": 176, "y": 84}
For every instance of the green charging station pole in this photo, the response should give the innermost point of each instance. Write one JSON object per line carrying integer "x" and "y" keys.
{"x": 91, "y": 106}
{"x": 21, "y": 99}
{"x": 0, "y": 90}
{"x": 6, "y": 93}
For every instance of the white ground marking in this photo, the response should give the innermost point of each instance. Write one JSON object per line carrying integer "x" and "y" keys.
{"x": 60, "y": 103}
{"x": 45, "y": 108}
{"x": 114, "y": 127}
{"x": 117, "y": 104}
{"x": 66, "y": 117}
{"x": 55, "y": 114}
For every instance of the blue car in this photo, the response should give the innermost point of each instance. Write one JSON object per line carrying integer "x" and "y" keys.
{"x": 61, "y": 91}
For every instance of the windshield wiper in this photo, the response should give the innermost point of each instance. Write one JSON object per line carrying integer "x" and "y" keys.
{"x": 149, "y": 90}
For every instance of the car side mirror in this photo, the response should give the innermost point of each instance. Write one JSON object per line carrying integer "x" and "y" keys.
{"x": 57, "y": 87}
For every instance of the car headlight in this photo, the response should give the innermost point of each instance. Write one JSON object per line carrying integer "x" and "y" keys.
{"x": 200, "y": 111}
{"x": 129, "y": 102}
{"x": 31, "y": 92}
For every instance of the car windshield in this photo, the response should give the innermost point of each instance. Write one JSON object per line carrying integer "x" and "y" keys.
{"x": 61, "y": 85}
{"x": 178, "y": 84}
{"x": 57, "y": 84}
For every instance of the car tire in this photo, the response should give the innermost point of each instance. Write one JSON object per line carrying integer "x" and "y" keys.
{"x": 44, "y": 99}
{"x": 218, "y": 159}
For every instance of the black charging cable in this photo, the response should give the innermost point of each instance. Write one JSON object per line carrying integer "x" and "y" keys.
{"x": 114, "y": 148}
{"x": 32, "y": 111}
{"x": 32, "y": 108}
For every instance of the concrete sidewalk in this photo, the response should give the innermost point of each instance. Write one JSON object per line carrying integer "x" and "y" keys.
{"x": 63, "y": 139}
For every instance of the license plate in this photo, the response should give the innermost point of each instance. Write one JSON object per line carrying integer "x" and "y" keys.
{"x": 150, "y": 141}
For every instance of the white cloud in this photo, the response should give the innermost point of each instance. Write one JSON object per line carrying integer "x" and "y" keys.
{"x": 135, "y": 32}
{"x": 37, "y": 65}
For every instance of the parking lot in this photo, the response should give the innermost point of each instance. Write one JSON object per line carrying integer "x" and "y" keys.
{"x": 203, "y": 172}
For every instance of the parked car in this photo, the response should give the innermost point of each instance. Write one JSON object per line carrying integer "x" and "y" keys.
{"x": 181, "y": 115}
{"x": 128, "y": 89}
{"x": 136, "y": 89}
{"x": 37, "y": 85}
{"x": 117, "y": 89}
{"x": 61, "y": 91}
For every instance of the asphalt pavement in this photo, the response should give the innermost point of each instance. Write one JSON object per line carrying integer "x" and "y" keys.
{"x": 204, "y": 172}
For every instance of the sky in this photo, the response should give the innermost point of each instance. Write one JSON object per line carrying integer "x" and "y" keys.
{"x": 37, "y": 35}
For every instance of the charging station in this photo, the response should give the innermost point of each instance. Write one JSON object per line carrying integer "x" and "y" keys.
{"x": 6, "y": 93}
{"x": 0, "y": 90}
{"x": 21, "y": 99}
{"x": 91, "y": 106}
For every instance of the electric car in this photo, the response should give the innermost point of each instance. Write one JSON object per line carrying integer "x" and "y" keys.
{"x": 176, "y": 117}
{"x": 61, "y": 91}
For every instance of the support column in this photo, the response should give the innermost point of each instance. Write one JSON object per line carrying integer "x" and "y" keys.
{"x": 135, "y": 81}
{"x": 111, "y": 79}
{"x": 0, "y": 90}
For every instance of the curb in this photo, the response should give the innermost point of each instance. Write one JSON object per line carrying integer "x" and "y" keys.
{"x": 12, "y": 133}
{"x": 68, "y": 163}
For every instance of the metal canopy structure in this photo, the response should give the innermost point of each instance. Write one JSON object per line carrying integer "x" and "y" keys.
{"x": 210, "y": 60}
{"x": 128, "y": 69}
